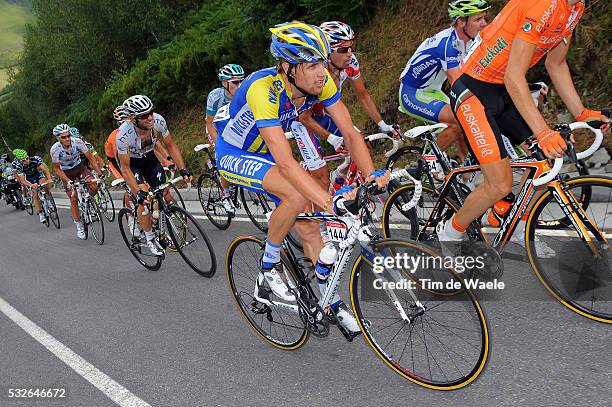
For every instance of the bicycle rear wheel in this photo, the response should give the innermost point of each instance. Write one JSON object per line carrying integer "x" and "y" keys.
{"x": 210, "y": 196}
{"x": 95, "y": 220}
{"x": 256, "y": 206}
{"x": 190, "y": 241}
{"x": 279, "y": 325}
{"x": 579, "y": 277}
{"x": 135, "y": 240}
{"x": 442, "y": 343}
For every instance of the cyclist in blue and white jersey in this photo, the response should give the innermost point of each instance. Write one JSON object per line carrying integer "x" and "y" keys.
{"x": 31, "y": 172}
{"x": 231, "y": 76}
{"x": 437, "y": 59}
{"x": 252, "y": 150}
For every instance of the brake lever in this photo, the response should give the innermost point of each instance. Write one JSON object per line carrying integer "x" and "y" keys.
{"x": 596, "y": 124}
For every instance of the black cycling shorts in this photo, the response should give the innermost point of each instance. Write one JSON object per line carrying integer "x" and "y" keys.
{"x": 148, "y": 169}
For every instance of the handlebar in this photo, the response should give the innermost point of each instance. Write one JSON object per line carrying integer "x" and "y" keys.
{"x": 371, "y": 188}
{"x": 381, "y": 136}
{"x": 566, "y": 131}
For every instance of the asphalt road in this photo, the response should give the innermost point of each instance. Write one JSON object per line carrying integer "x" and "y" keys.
{"x": 173, "y": 338}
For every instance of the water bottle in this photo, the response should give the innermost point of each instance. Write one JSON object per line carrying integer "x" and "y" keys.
{"x": 324, "y": 267}
{"x": 500, "y": 210}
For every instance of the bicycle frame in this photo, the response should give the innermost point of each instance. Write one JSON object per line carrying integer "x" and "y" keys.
{"x": 535, "y": 168}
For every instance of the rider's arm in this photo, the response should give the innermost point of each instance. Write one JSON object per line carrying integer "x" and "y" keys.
{"x": 174, "y": 151}
{"x": 558, "y": 70}
{"x": 93, "y": 161}
{"x": 365, "y": 99}
{"x": 521, "y": 54}
{"x": 352, "y": 138}
{"x": 280, "y": 149}
{"x": 452, "y": 74}
{"x": 210, "y": 128}
{"x": 43, "y": 167}
{"x": 126, "y": 171}
{"x": 311, "y": 124}
{"x": 60, "y": 173}
{"x": 22, "y": 180}
{"x": 162, "y": 154}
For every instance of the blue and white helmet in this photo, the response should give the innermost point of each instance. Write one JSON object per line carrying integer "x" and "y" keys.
{"x": 60, "y": 129}
{"x": 74, "y": 132}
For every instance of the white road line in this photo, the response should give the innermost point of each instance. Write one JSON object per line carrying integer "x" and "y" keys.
{"x": 113, "y": 390}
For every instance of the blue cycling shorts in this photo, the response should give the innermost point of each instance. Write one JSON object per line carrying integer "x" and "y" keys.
{"x": 242, "y": 167}
{"x": 327, "y": 123}
{"x": 422, "y": 104}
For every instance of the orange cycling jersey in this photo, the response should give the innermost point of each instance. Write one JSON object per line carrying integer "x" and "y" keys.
{"x": 543, "y": 23}
{"x": 109, "y": 145}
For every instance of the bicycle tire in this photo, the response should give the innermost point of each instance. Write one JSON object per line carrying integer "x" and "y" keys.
{"x": 95, "y": 220}
{"x": 29, "y": 205}
{"x": 576, "y": 289}
{"x": 176, "y": 196}
{"x": 108, "y": 208}
{"x": 585, "y": 198}
{"x": 431, "y": 315}
{"x": 53, "y": 214}
{"x": 209, "y": 195}
{"x": 134, "y": 244}
{"x": 188, "y": 235}
{"x": 241, "y": 278}
{"x": 256, "y": 208}
{"x": 42, "y": 199}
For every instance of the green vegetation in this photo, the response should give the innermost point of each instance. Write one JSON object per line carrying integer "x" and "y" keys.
{"x": 83, "y": 57}
{"x": 13, "y": 19}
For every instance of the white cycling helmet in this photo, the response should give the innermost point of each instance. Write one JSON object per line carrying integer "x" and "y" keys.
{"x": 337, "y": 32}
{"x": 137, "y": 105}
{"x": 119, "y": 113}
{"x": 60, "y": 129}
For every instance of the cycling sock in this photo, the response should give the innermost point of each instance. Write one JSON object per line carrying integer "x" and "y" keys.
{"x": 271, "y": 255}
{"x": 455, "y": 230}
{"x": 150, "y": 235}
{"x": 457, "y": 226}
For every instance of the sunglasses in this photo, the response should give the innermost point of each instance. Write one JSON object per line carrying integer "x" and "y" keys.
{"x": 64, "y": 137}
{"x": 344, "y": 50}
{"x": 144, "y": 116}
{"x": 236, "y": 81}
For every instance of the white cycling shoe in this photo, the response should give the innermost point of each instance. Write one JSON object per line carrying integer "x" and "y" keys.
{"x": 41, "y": 217}
{"x": 346, "y": 319}
{"x": 154, "y": 247}
{"x": 273, "y": 279}
{"x": 228, "y": 205}
{"x": 80, "y": 230}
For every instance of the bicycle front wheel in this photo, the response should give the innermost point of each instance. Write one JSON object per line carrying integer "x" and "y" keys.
{"x": 95, "y": 220}
{"x": 578, "y": 275}
{"x": 135, "y": 240}
{"x": 29, "y": 206}
{"x": 53, "y": 215}
{"x": 436, "y": 340}
{"x": 279, "y": 325}
{"x": 210, "y": 196}
{"x": 105, "y": 202}
{"x": 190, "y": 240}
